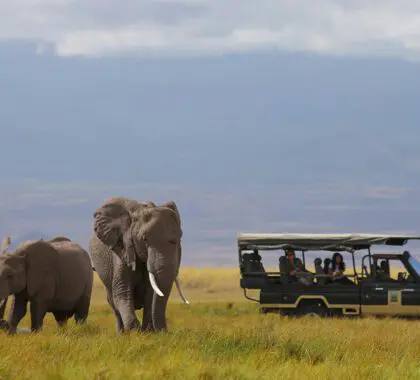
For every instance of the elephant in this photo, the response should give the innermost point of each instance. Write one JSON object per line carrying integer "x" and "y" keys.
{"x": 136, "y": 251}
{"x": 54, "y": 276}
{"x": 4, "y": 247}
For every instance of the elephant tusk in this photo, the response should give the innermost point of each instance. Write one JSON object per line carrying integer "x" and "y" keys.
{"x": 2, "y": 302}
{"x": 181, "y": 292}
{"x": 154, "y": 284}
{"x": 133, "y": 266}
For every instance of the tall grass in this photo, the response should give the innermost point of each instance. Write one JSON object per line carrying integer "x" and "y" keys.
{"x": 219, "y": 336}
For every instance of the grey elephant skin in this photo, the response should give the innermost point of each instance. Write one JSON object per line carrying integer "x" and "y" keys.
{"x": 52, "y": 276}
{"x": 3, "y": 303}
{"x": 136, "y": 252}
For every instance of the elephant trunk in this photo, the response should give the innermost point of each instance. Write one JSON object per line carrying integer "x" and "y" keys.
{"x": 160, "y": 300}
{"x": 162, "y": 268}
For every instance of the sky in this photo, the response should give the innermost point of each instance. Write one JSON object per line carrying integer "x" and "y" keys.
{"x": 267, "y": 116}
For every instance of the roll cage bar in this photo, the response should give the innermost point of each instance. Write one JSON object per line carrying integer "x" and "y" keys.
{"x": 404, "y": 257}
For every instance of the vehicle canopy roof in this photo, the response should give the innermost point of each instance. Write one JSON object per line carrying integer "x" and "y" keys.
{"x": 319, "y": 242}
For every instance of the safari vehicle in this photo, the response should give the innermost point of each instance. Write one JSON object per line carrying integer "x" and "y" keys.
{"x": 376, "y": 290}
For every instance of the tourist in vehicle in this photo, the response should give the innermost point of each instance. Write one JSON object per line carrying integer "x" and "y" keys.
{"x": 327, "y": 269}
{"x": 382, "y": 271}
{"x": 290, "y": 265}
{"x": 319, "y": 271}
{"x": 338, "y": 268}
{"x": 293, "y": 265}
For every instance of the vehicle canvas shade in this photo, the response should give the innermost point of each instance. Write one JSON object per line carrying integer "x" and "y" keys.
{"x": 318, "y": 242}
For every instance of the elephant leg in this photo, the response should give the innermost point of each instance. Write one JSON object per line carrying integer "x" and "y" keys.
{"x": 119, "y": 321}
{"x": 61, "y": 317}
{"x": 82, "y": 309}
{"x": 124, "y": 304}
{"x": 147, "y": 323}
{"x": 123, "y": 292}
{"x": 62, "y": 322}
{"x": 38, "y": 310}
{"x": 3, "y": 308}
{"x": 17, "y": 312}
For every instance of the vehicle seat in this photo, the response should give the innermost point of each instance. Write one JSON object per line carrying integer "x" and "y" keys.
{"x": 252, "y": 263}
{"x": 319, "y": 271}
{"x": 283, "y": 265}
{"x": 284, "y": 278}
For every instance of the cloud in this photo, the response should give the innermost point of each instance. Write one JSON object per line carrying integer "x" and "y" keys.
{"x": 103, "y": 27}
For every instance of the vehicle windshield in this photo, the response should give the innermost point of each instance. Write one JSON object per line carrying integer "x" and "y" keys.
{"x": 415, "y": 264}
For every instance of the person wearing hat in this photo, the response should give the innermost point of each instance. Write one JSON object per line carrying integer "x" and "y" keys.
{"x": 291, "y": 266}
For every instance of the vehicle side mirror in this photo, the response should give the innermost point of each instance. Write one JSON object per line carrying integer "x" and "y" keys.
{"x": 401, "y": 276}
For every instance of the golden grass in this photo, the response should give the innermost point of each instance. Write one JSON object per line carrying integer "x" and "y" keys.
{"x": 219, "y": 336}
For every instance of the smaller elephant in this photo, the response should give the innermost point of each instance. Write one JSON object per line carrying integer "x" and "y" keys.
{"x": 54, "y": 276}
{"x": 4, "y": 247}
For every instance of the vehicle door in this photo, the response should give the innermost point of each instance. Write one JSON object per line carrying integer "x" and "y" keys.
{"x": 394, "y": 293}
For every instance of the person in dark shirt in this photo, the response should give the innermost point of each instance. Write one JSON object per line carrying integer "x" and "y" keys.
{"x": 292, "y": 266}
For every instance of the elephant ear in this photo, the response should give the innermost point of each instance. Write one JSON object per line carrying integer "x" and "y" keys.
{"x": 42, "y": 267}
{"x": 172, "y": 205}
{"x": 112, "y": 225}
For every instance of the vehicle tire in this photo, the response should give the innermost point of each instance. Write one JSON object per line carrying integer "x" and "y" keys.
{"x": 285, "y": 312}
{"x": 263, "y": 310}
{"x": 314, "y": 311}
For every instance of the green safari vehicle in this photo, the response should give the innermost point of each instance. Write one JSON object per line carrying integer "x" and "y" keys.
{"x": 386, "y": 284}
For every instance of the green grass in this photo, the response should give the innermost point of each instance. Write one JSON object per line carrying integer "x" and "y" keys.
{"x": 220, "y": 335}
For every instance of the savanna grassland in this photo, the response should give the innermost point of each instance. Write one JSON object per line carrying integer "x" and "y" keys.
{"x": 220, "y": 335}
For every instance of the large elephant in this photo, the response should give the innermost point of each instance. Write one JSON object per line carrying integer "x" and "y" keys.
{"x": 53, "y": 276}
{"x": 136, "y": 251}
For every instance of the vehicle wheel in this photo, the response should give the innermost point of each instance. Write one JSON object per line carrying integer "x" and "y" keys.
{"x": 285, "y": 312}
{"x": 314, "y": 311}
{"x": 312, "y": 314}
{"x": 263, "y": 310}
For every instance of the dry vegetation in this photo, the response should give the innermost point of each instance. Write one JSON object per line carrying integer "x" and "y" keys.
{"x": 220, "y": 335}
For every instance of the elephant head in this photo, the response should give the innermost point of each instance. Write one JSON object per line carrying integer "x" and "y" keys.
{"x": 150, "y": 233}
{"x": 32, "y": 266}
